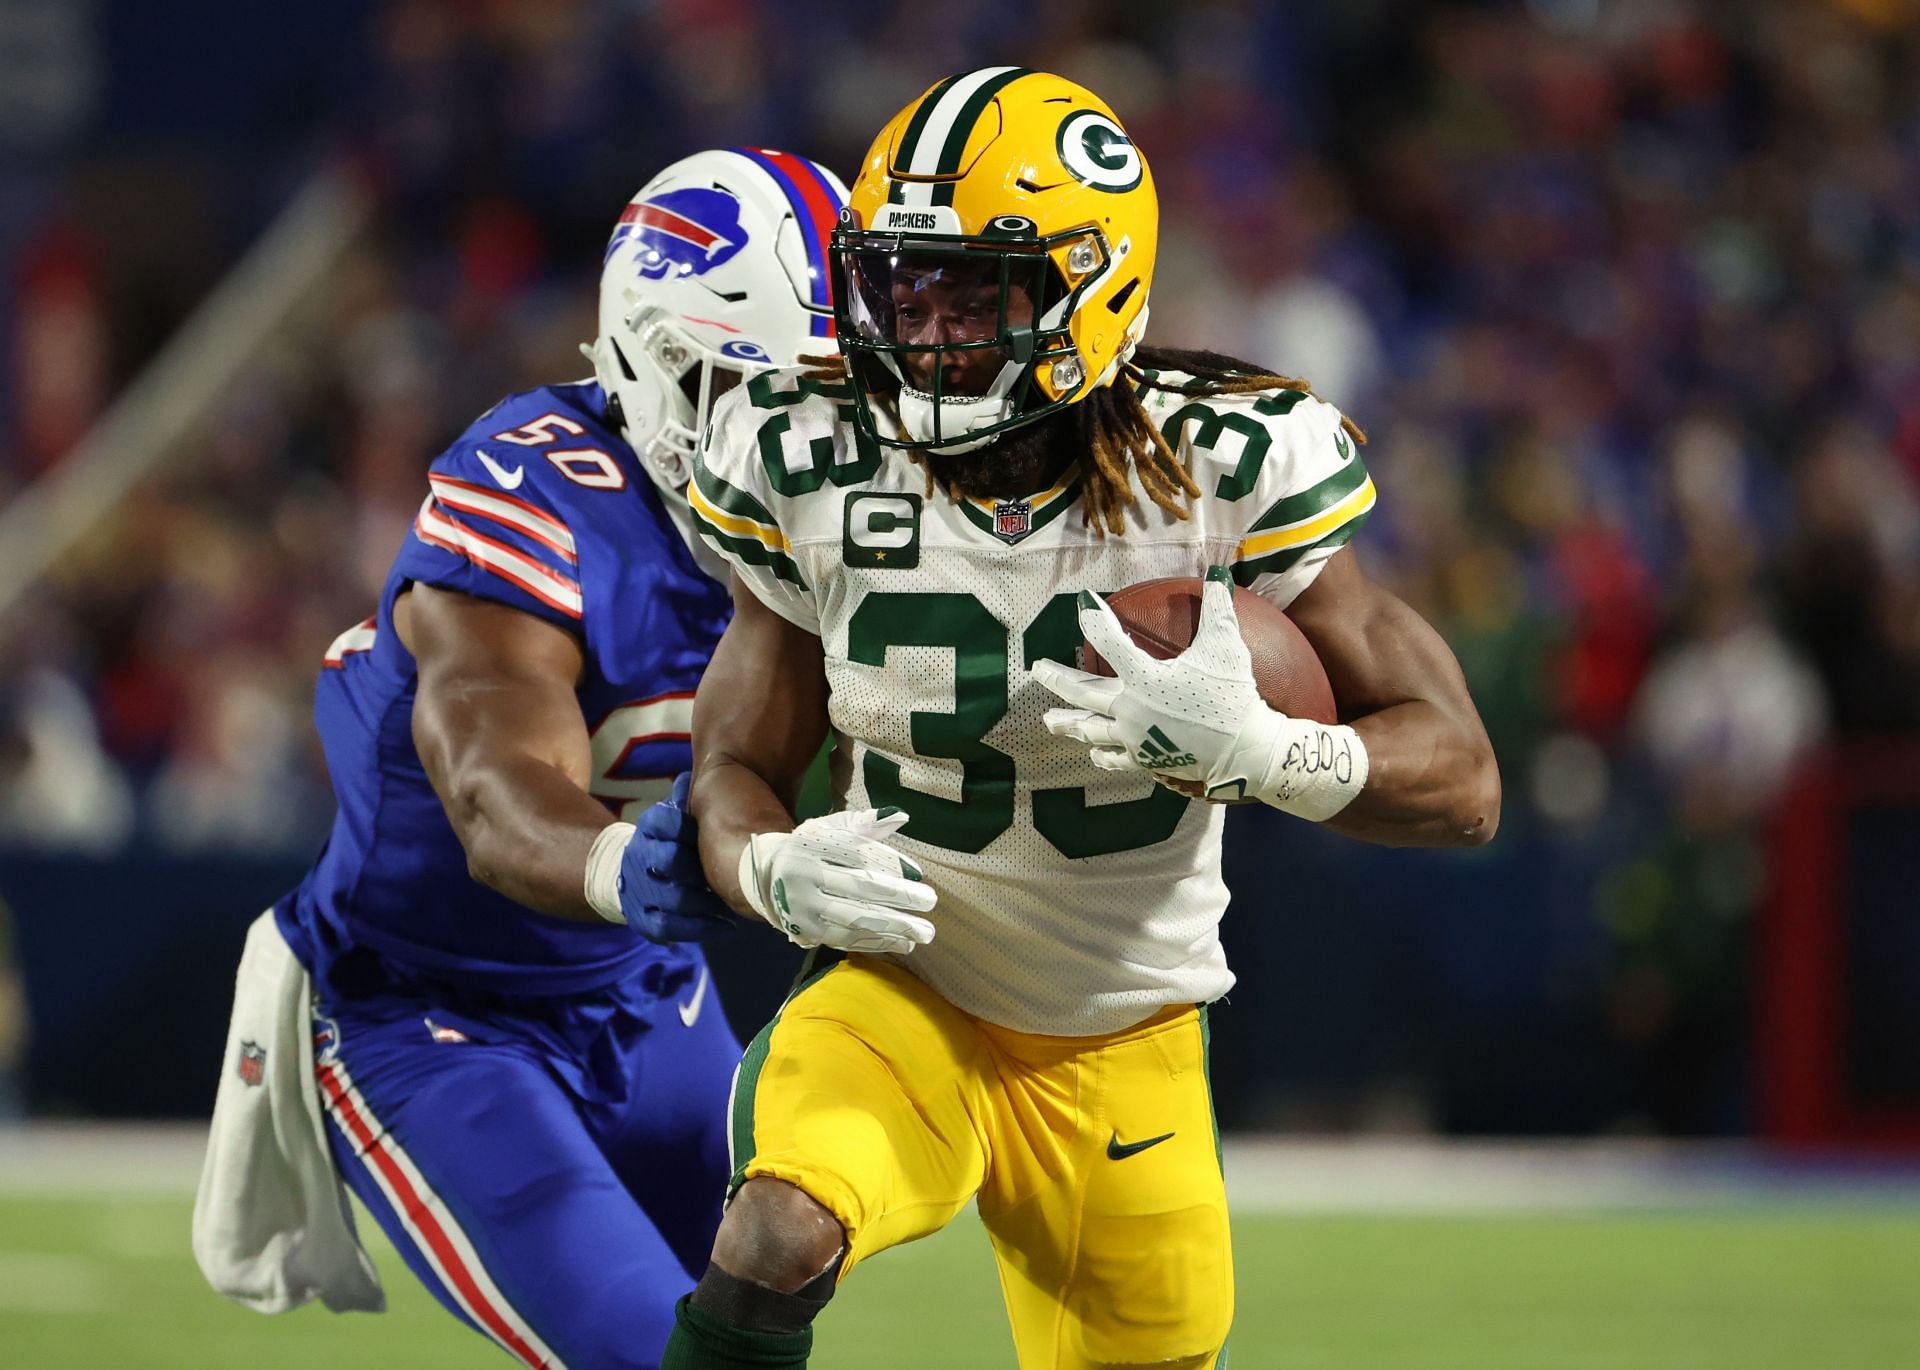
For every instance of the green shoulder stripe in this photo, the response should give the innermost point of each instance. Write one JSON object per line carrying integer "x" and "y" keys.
{"x": 752, "y": 551}
{"x": 739, "y": 525}
{"x": 1274, "y": 563}
{"x": 1316, "y": 499}
{"x": 730, "y": 498}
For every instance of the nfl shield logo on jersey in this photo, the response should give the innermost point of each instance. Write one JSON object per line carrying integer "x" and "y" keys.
{"x": 1012, "y": 519}
{"x": 252, "y": 1065}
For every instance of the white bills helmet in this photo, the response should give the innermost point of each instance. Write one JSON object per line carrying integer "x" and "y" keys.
{"x": 718, "y": 264}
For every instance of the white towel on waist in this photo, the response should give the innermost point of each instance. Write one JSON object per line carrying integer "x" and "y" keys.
{"x": 272, "y": 1227}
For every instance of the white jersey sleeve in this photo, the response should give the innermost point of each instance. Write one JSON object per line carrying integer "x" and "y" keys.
{"x": 1281, "y": 469}
{"x": 736, "y": 507}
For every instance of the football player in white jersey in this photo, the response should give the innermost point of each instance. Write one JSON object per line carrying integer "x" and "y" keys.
{"x": 1023, "y": 894}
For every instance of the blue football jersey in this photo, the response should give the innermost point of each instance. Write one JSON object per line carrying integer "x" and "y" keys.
{"x": 542, "y": 506}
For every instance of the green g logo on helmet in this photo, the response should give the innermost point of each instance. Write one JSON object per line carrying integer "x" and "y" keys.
{"x": 1097, "y": 152}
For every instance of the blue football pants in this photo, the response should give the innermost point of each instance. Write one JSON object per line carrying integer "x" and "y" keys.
{"x": 555, "y": 1184}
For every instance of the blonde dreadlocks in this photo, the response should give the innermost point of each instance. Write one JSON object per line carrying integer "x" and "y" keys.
{"x": 1120, "y": 438}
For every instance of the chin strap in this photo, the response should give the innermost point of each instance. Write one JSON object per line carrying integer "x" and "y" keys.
{"x": 919, "y": 412}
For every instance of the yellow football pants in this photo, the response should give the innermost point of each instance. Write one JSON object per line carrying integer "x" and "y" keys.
{"x": 1094, "y": 1159}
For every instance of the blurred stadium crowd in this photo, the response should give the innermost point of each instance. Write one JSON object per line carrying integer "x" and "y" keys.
{"x": 1627, "y": 295}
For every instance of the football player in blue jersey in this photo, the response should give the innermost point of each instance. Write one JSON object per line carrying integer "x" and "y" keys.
{"x": 523, "y": 1063}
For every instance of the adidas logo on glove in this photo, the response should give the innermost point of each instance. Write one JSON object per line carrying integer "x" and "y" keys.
{"x": 1158, "y": 752}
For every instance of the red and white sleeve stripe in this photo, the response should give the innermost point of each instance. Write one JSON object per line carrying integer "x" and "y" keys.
{"x": 523, "y": 518}
{"x": 437, "y": 525}
{"x": 359, "y": 638}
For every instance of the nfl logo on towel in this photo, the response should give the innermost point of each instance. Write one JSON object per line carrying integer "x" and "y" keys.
{"x": 1012, "y": 519}
{"x": 252, "y": 1065}
{"x": 326, "y": 1039}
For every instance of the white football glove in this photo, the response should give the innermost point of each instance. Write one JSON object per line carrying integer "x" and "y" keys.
{"x": 834, "y": 882}
{"x": 1199, "y": 717}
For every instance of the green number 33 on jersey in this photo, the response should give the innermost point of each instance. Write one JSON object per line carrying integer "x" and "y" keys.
{"x": 982, "y": 659}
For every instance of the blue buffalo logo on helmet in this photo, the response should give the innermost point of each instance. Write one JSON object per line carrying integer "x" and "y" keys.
{"x": 682, "y": 233}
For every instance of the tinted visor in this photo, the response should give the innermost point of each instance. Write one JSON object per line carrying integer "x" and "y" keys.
{"x": 930, "y": 302}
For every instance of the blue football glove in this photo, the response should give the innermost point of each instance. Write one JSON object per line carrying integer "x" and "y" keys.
{"x": 663, "y": 891}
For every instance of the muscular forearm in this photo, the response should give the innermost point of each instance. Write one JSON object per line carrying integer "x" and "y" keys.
{"x": 1431, "y": 782}
{"x": 498, "y": 729}
{"x": 497, "y": 726}
{"x": 731, "y": 802}
{"x": 752, "y": 744}
{"x": 1431, "y": 779}
{"x": 527, "y": 828}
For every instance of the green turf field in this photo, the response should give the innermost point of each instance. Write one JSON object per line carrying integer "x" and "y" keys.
{"x": 102, "y": 1282}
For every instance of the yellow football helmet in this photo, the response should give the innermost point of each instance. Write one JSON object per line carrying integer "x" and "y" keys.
{"x": 993, "y": 260}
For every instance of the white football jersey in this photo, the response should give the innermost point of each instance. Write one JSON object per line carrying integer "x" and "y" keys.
{"x": 1072, "y": 900}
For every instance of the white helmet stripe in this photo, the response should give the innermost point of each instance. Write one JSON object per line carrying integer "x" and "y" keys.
{"x": 923, "y": 158}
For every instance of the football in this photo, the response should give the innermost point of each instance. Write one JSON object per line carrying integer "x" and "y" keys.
{"x": 1162, "y": 616}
